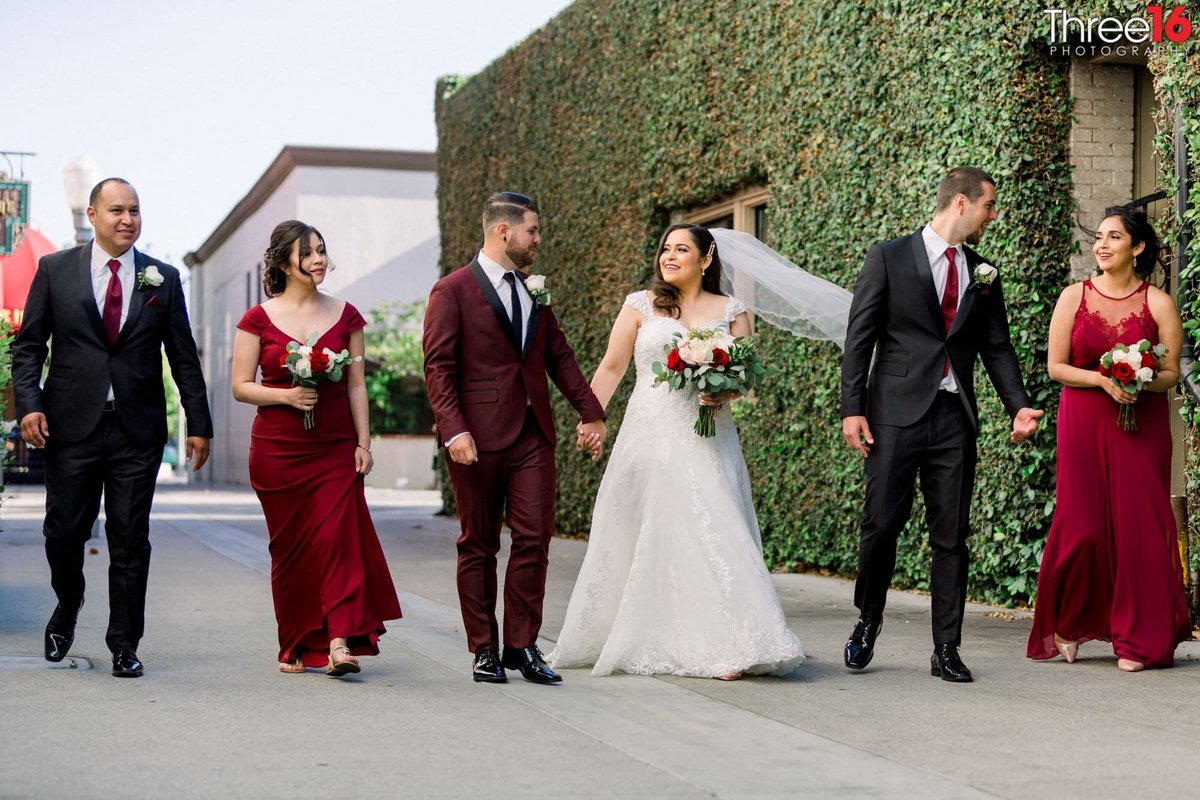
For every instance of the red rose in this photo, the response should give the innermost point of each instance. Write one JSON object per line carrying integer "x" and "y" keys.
{"x": 319, "y": 361}
{"x": 1148, "y": 360}
{"x": 1122, "y": 372}
{"x": 719, "y": 357}
{"x": 1106, "y": 371}
{"x": 674, "y": 362}
{"x": 283, "y": 359}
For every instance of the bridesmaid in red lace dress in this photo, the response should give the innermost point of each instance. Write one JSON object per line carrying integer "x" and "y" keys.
{"x": 329, "y": 579}
{"x": 1111, "y": 567}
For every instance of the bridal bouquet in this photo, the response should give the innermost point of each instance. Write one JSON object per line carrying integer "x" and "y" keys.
{"x": 310, "y": 366}
{"x": 1132, "y": 367}
{"x": 712, "y": 362}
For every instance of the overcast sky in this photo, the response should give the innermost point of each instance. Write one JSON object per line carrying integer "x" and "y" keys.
{"x": 191, "y": 101}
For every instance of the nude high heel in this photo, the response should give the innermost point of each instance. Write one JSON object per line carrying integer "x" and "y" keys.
{"x": 1068, "y": 650}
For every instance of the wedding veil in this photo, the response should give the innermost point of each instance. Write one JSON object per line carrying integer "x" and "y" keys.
{"x": 778, "y": 291}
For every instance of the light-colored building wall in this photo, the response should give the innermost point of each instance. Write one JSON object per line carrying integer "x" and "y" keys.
{"x": 379, "y": 220}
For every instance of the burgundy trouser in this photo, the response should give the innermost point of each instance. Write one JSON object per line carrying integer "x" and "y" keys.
{"x": 523, "y": 477}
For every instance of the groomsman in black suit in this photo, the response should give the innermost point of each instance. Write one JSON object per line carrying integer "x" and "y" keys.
{"x": 926, "y": 307}
{"x": 103, "y": 312}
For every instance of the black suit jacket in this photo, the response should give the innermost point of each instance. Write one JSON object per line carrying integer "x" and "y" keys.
{"x": 62, "y": 320}
{"x": 895, "y": 315}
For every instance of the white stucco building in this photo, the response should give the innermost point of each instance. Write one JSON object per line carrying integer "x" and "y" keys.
{"x": 377, "y": 210}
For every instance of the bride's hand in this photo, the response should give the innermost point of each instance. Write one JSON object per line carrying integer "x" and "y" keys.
{"x": 717, "y": 400}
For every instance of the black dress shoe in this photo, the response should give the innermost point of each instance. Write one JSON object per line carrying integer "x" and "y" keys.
{"x": 531, "y": 664}
{"x": 126, "y": 664}
{"x": 860, "y": 648}
{"x": 945, "y": 664}
{"x": 487, "y": 668}
{"x": 60, "y": 633}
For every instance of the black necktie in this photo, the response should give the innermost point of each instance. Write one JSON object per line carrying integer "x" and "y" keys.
{"x": 516, "y": 305}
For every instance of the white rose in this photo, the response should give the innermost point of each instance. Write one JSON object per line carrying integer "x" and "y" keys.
{"x": 305, "y": 351}
{"x": 152, "y": 276}
{"x": 693, "y": 351}
{"x": 535, "y": 283}
{"x": 1131, "y": 357}
{"x": 1145, "y": 374}
{"x": 304, "y": 368}
{"x": 722, "y": 341}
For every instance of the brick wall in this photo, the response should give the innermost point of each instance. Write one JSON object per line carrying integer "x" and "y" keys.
{"x": 1101, "y": 147}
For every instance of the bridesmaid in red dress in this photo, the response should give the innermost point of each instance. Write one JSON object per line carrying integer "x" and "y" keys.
{"x": 1111, "y": 567}
{"x": 330, "y": 581}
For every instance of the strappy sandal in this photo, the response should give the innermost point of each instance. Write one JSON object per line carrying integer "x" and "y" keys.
{"x": 292, "y": 667}
{"x": 341, "y": 666}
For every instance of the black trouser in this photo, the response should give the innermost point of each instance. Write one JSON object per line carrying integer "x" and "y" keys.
{"x": 941, "y": 447}
{"x": 107, "y": 462}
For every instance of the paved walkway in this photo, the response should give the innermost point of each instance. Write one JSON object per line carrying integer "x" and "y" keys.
{"x": 213, "y": 718}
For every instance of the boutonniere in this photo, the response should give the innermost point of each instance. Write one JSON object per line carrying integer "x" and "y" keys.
{"x": 151, "y": 277}
{"x": 984, "y": 274}
{"x": 536, "y": 286}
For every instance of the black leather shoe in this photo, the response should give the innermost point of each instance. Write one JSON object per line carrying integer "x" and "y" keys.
{"x": 860, "y": 648}
{"x": 126, "y": 664}
{"x": 487, "y": 668}
{"x": 945, "y": 664}
{"x": 60, "y": 633}
{"x": 532, "y": 665}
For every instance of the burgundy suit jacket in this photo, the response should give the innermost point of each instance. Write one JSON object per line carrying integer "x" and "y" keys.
{"x": 479, "y": 376}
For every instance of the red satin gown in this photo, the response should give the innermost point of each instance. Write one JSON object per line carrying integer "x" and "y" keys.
{"x": 1111, "y": 567}
{"x": 329, "y": 577}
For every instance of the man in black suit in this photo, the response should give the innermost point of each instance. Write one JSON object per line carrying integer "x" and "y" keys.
{"x": 925, "y": 308}
{"x": 103, "y": 313}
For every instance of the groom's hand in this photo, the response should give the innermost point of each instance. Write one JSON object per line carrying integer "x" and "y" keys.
{"x": 462, "y": 450}
{"x": 591, "y": 437}
{"x": 1025, "y": 424}
{"x": 34, "y": 429}
{"x": 197, "y": 451}
{"x": 858, "y": 434}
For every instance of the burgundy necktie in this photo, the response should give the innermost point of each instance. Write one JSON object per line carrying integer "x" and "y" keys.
{"x": 950, "y": 299}
{"x": 112, "y": 303}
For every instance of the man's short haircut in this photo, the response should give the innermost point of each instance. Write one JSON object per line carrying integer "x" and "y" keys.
{"x": 94, "y": 197}
{"x": 509, "y": 207}
{"x": 962, "y": 180}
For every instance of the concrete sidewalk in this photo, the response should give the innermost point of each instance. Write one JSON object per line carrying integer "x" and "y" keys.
{"x": 212, "y": 717}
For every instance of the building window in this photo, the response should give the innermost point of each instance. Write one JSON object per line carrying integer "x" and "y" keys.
{"x": 745, "y": 211}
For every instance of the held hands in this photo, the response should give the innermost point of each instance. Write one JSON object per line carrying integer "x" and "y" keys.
{"x": 591, "y": 437}
{"x": 300, "y": 397}
{"x": 462, "y": 450}
{"x": 1025, "y": 424}
{"x": 858, "y": 434}
{"x": 34, "y": 429}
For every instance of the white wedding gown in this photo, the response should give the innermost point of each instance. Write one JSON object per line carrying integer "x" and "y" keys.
{"x": 673, "y": 581}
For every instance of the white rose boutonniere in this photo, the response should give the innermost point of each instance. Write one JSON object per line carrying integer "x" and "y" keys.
{"x": 984, "y": 274}
{"x": 150, "y": 276}
{"x": 536, "y": 286}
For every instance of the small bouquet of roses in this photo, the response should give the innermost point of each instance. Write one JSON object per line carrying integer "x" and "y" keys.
{"x": 310, "y": 366}
{"x": 712, "y": 362}
{"x": 1132, "y": 367}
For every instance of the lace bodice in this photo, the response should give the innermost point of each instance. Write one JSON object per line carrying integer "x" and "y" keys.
{"x": 1102, "y": 322}
{"x": 657, "y": 331}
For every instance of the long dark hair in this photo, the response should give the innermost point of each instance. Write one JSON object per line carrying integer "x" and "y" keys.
{"x": 279, "y": 253}
{"x": 666, "y": 296}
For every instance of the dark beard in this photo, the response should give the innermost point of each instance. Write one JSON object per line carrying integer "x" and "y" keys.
{"x": 520, "y": 258}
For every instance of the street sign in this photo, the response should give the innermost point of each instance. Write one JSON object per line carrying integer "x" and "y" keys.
{"x": 14, "y": 214}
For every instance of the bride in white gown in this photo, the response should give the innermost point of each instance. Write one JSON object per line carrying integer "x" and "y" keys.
{"x": 673, "y": 581}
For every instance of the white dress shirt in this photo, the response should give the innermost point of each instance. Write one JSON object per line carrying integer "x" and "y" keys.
{"x": 495, "y": 274}
{"x": 101, "y": 275}
{"x": 935, "y": 248}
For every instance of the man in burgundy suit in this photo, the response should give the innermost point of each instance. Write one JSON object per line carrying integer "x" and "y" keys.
{"x": 489, "y": 346}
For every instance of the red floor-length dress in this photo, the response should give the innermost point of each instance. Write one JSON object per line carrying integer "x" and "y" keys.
{"x": 1111, "y": 568}
{"x": 329, "y": 577}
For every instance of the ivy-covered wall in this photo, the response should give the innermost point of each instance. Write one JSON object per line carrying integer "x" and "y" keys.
{"x": 619, "y": 112}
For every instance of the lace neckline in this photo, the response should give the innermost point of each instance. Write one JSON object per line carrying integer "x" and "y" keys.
{"x": 1140, "y": 288}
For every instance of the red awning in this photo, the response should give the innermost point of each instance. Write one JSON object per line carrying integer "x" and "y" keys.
{"x": 16, "y": 273}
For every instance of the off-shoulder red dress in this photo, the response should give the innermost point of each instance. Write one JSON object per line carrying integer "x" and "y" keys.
{"x": 329, "y": 577}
